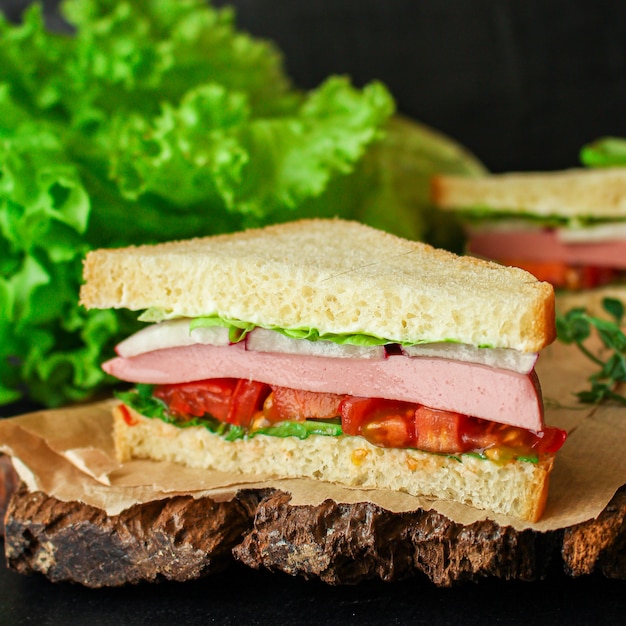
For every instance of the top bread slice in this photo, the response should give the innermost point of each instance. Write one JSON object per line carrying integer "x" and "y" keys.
{"x": 331, "y": 275}
{"x": 595, "y": 193}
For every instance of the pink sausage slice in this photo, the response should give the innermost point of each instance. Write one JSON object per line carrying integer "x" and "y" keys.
{"x": 494, "y": 394}
{"x": 545, "y": 245}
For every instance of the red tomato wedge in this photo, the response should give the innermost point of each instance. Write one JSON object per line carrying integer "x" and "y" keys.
{"x": 231, "y": 400}
{"x": 439, "y": 431}
{"x": 246, "y": 402}
{"x": 296, "y": 404}
{"x": 198, "y": 398}
{"x": 385, "y": 423}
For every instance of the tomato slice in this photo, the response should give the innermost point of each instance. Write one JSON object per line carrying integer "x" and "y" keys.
{"x": 247, "y": 400}
{"x": 549, "y": 440}
{"x": 127, "y": 416}
{"x": 198, "y": 398}
{"x": 565, "y": 276}
{"x": 393, "y": 424}
{"x": 231, "y": 400}
{"x": 439, "y": 431}
{"x": 484, "y": 435}
{"x": 296, "y": 404}
{"x": 385, "y": 423}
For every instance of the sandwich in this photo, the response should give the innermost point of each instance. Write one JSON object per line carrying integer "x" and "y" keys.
{"x": 329, "y": 350}
{"x": 566, "y": 227}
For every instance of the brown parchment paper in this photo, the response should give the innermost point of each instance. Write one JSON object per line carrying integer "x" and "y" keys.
{"x": 68, "y": 453}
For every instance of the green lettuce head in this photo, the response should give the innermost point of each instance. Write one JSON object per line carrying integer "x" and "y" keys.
{"x": 157, "y": 120}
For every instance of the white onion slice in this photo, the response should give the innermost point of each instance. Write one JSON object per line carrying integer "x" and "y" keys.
{"x": 176, "y": 332}
{"x": 265, "y": 340}
{"x": 171, "y": 334}
{"x": 595, "y": 233}
{"x": 502, "y": 358}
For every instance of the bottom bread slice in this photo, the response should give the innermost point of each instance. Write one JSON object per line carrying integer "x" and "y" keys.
{"x": 515, "y": 488}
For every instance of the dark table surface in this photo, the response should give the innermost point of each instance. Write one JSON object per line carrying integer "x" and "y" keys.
{"x": 243, "y": 596}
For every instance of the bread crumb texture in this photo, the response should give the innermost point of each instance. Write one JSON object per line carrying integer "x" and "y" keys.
{"x": 335, "y": 276}
{"x": 577, "y": 192}
{"x": 518, "y": 489}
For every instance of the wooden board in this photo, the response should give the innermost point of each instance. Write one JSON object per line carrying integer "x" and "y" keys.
{"x": 183, "y": 538}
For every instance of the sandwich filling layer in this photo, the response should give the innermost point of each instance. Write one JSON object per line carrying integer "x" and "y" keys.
{"x": 274, "y": 385}
{"x": 567, "y": 258}
{"x": 243, "y": 409}
{"x": 473, "y": 389}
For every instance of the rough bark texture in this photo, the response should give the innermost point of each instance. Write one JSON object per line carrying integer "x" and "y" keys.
{"x": 175, "y": 539}
{"x": 600, "y": 544}
{"x": 342, "y": 544}
{"x": 182, "y": 539}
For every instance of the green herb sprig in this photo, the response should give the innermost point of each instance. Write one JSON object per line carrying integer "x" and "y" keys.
{"x": 576, "y": 326}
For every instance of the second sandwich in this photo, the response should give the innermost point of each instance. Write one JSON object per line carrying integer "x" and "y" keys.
{"x": 326, "y": 349}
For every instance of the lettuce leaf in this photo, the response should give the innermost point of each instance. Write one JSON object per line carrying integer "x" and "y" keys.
{"x": 604, "y": 152}
{"x": 155, "y": 120}
{"x": 239, "y": 329}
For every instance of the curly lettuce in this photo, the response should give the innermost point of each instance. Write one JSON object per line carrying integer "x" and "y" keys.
{"x": 155, "y": 120}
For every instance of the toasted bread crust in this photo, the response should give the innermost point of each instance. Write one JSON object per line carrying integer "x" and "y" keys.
{"x": 332, "y": 275}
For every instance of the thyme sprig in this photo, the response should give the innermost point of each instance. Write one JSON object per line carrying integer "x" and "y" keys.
{"x": 576, "y": 326}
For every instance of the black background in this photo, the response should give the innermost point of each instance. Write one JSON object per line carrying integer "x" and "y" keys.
{"x": 522, "y": 84}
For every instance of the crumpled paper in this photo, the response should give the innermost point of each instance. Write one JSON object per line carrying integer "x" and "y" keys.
{"x": 68, "y": 453}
